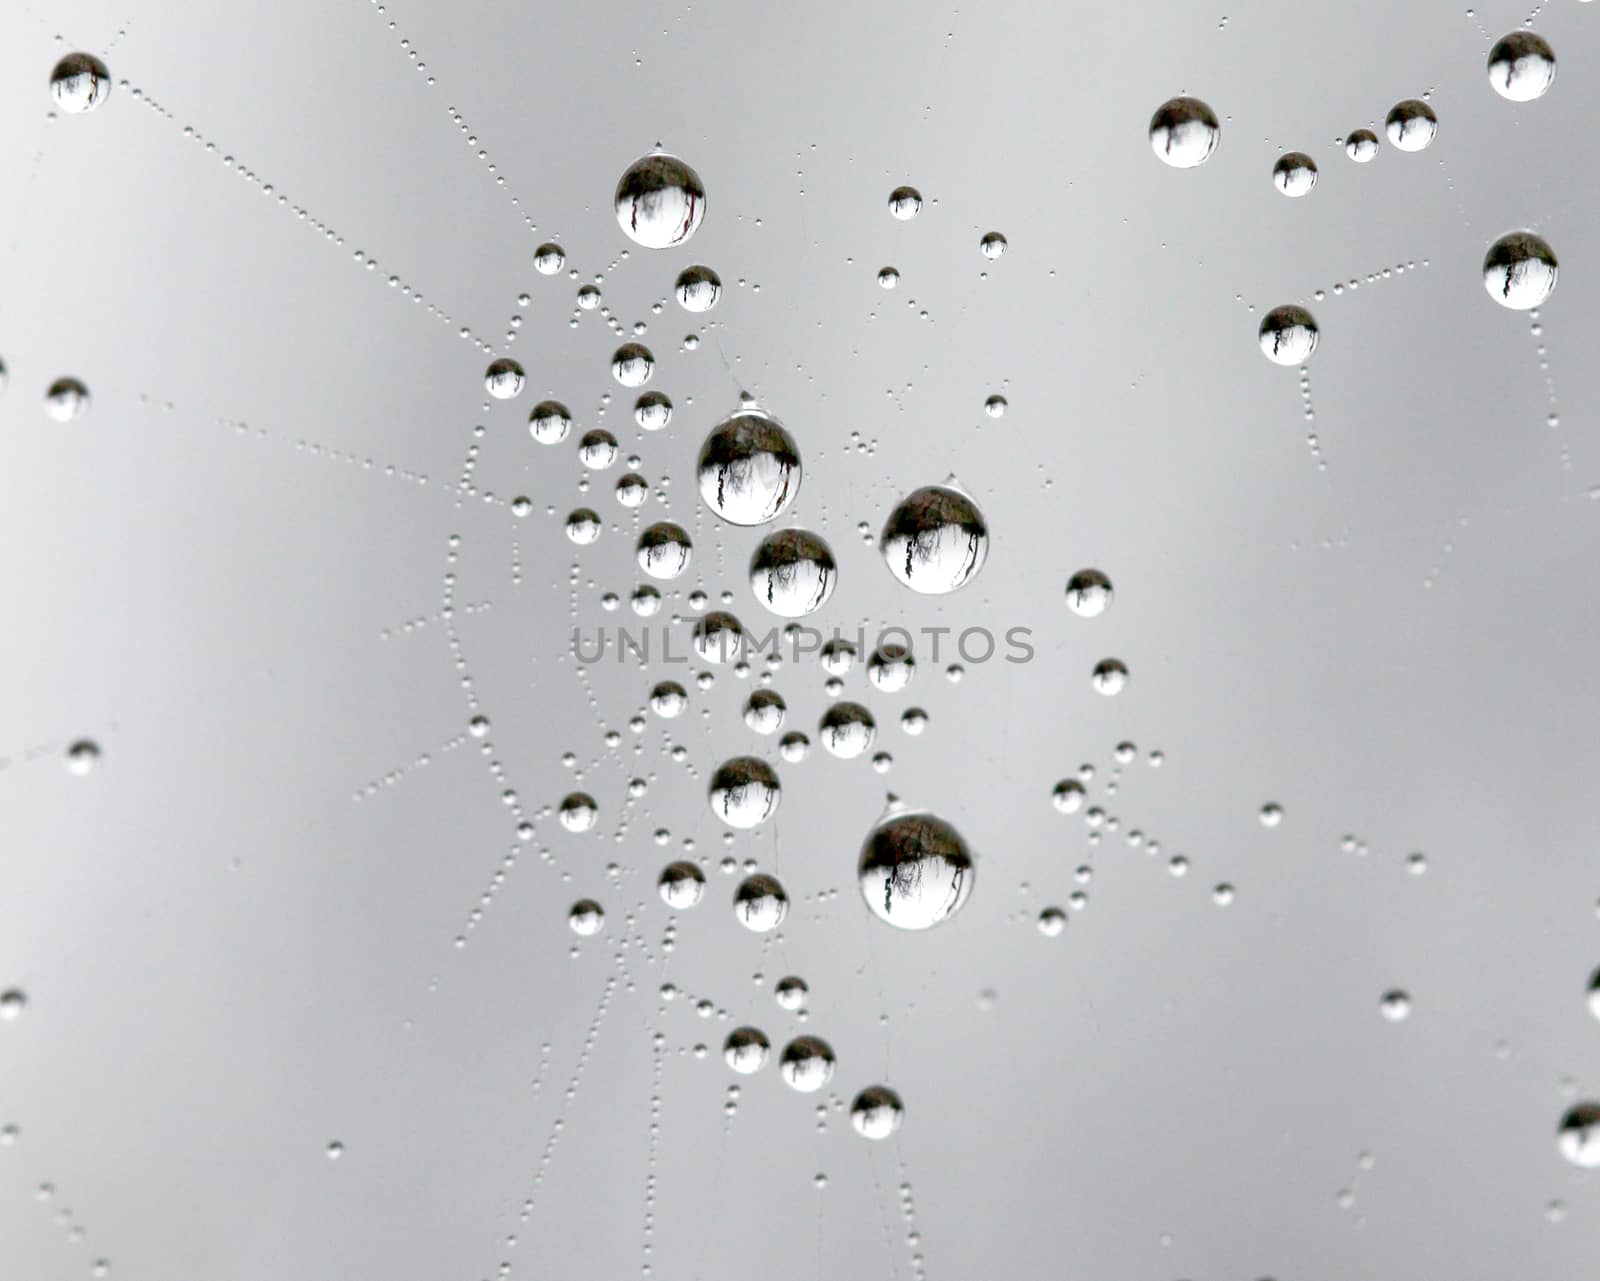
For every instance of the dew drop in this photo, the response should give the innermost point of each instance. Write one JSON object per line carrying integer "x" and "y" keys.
{"x": 80, "y": 82}
{"x": 660, "y": 201}
{"x": 749, "y": 468}
{"x": 914, "y": 871}
{"x": 1184, "y": 132}
{"x": 876, "y": 1112}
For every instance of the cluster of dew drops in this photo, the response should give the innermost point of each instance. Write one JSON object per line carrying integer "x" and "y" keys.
{"x": 915, "y": 870}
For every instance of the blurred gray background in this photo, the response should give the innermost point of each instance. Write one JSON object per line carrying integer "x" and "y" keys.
{"x": 240, "y": 936}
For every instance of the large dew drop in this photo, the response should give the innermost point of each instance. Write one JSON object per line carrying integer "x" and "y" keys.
{"x": 847, "y": 730}
{"x": 1519, "y": 271}
{"x": 1288, "y": 335}
{"x": 745, "y": 1050}
{"x": 1578, "y": 1139}
{"x": 807, "y": 1064}
{"x": 79, "y": 83}
{"x": 744, "y": 792}
{"x": 632, "y": 364}
{"x": 1184, "y": 132}
{"x": 66, "y": 399}
{"x": 876, "y": 1112}
{"x": 1411, "y": 125}
{"x": 503, "y": 379}
{"x": 549, "y": 422}
{"x": 681, "y": 885}
{"x": 1361, "y": 146}
{"x": 698, "y": 289}
{"x": 664, "y": 550}
{"x": 578, "y": 812}
{"x": 749, "y": 468}
{"x": 1294, "y": 174}
{"x": 660, "y": 201}
{"x": 1522, "y": 66}
{"x": 935, "y": 540}
{"x": 586, "y": 917}
{"x": 760, "y": 903}
{"x": 915, "y": 870}
{"x": 793, "y": 573}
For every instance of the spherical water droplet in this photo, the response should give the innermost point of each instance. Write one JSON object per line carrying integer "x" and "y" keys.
{"x": 876, "y": 1112}
{"x": 1271, "y": 814}
{"x": 632, "y": 364}
{"x": 764, "y": 712}
{"x": 698, "y": 288}
{"x": 746, "y": 1050}
{"x": 837, "y": 657}
{"x": 504, "y": 378}
{"x": 578, "y": 812}
{"x": 664, "y": 550}
{"x": 1578, "y": 1138}
{"x": 749, "y": 468}
{"x": 891, "y": 668}
{"x": 668, "y": 699}
{"x": 744, "y": 792}
{"x": 660, "y": 201}
{"x": 1522, "y": 66}
{"x": 1288, "y": 335}
{"x": 588, "y": 297}
{"x": 935, "y": 540}
{"x": 12, "y": 1003}
{"x": 791, "y": 992}
{"x": 1361, "y": 146}
{"x": 583, "y": 526}
{"x": 1109, "y": 677}
{"x": 80, "y": 82}
{"x": 992, "y": 246}
{"x": 681, "y": 886}
{"x": 913, "y": 721}
{"x": 905, "y": 203}
{"x": 66, "y": 399}
{"x": 794, "y": 747}
{"x": 1294, "y": 174}
{"x": 1052, "y": 921}
{"x": 995, "y": 406}
{"x": 807, "y": 1064}
{"x": 1395, "y": 1005}
{"x": 793, "y": 573}
{"x": 888, "y": 277}
{"x": 846, "y": 730}
{"x": 1089, "y": 593}
{"x": 1411, "y": 125}
{"x": 632, "y": 490}
{"x": 1068, "y": 796}
{"x": 549, "y": 422}
{"x": 598, "y": 449}
{"x": 718, "y": 637}
{"x": 915, "y": 870}
{"x": 549, "y": 258}
{"x": 586, "y": 917}
{"x": 1519, "y": 271}
{"x": 1184, "y": 132}
{"x": 334, "y": 1150}
{"x": 760, "y": 903}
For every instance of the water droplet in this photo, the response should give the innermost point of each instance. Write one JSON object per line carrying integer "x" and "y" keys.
{"x": 744, "y": 792}
{"x": 681, "y": 885}
{"x": 992, "y": 246}
{"x": 503, "y": 379}
{"x": 698, "y": 288}
{"x": 1271, "y": 814}
{"x": 837, "y": 657}
{"x": 794, "y": 747}
{"x": 1052, "y": 921}
{"x": 764, "y": 711}
{"x": 578, "y": 811}
{"x": 1294, "y": 174}
{"x": 549, "y": 422}
{"x": 586, "y": 917}
{"x": 1361, "y": 146}
{"x": 935, "y": 540}
{"x": 1411, "y": 125}
{"x": 1109, "y": 677}
{"x": 632, "y": 364}
{"x": 668, "y": 699}
{"x": 891, "y": 668}
{"x": 66, "y": 399}
{"x": 1089, "y": 593}
{"x": 1522, "y": 66}
{"x": 749, "y": 468}
{"x": 660, "y": 201}
{"x": 793, "y": 573}
{"x": 1395, "y": 1005}
{"x": 846, "y": 730}
{"x": 598, "y": 449}
{"x": 759, "y": 903}
{"x": 334, "y": 1150}
{"x": 915, "y": 870}
{"x": 1288, "y": 335}
{"x": 913, "y": 721}
{"x": 1184, "y": 132}
{"x": 791, "y": 992}
{"x": 549, "y": 258}
{"x": 583, "y": 526}
{"x": 807, "y": 1064}
{"x": 664, "y": 550}
{"x": 1519, "y": 271}
{"x": 12, "y": 1003}
{"x": 652, "y": 411}
{"x": 905, "y": 203}
{"x": 888, "y": 277}
{"x": 80, "y": 82}
{"x": 588, "y": 297}
{"x": 1068, "y": 796}
{"x": 1578, "y": 1138}
{"x": 746, "y": 1050}
{"x": 876, "y": 1112}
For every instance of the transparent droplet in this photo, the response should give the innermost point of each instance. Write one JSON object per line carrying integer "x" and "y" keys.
{"x": 82, "y": 757}
{"x": 1288, "y": 335}
{"x": 764, "y": 711}
{"x": 876, "y": 1112}
{"x": 888, "y": 277}
{"x": 1052, "y": 921}
{"x": 698, "y": 289}
{"x": 744, "y": 792}
{"x": 846, "y": 730}
{"x": 578, "y": 812}
{"x": 664, "y": 550}
{"x": 760, "y": 903}
{"x": 992, "y": 246}
{"x": 13, "y": 1002}
{"x": 1271, "y": 814}
{"x": 549, "y": 422}
{"x": 915, "y": 870}
{"x": 749, "y": 468}
{"x": 718, "y": 637}
{"x": 1089, "y": 593}
{"x": 793, "y": 573}
{"x": 1594, "y": 994}
{"x": 913, "y": 721}
{"x": 746, "y": 1050}
{"x": 503, "y": 379}
{"x": 549, "y": 258}
{"x": 807, "y": 1064}
{"x": 652, "y": 411}
{"x": 632, "y": 364}
{"x": 66, "y": 399}
{"x": 1294, "y": 174}
{"x": 583, "y": 526}
{"x": 1361, "y": 146}
{"x": 935, "y": 540}
{"x": 794, "y": 747}
{"x": 586, "y": 917}
{"x": 598, "y": 449}
{"x": 1519, "y": 271}
{"x": 791, "y": 992}
{"x": 1184, "y": 132}
{"x": 1578, "y": 1138}
{"x": 632, "y": 490}
{"x": 891, "y": 668}
{"x": 1522, "y": 66}
{"x": 1395, "y": 1005}
{"x": 1068, "y": 796}
{"x": 80, "y": 82}
{"x": 1110, "y": 676}
{"x": 905, "y": 203}
{"x": 588, "y": 297}
{"x": 1411, "y": 125}
{"x": 837, "y": 657}
{"x": 660, "y": 201}
{"x": 668, "y": 699}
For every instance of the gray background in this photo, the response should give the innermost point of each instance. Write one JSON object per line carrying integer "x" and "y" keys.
{"x": 231, "y": 961}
